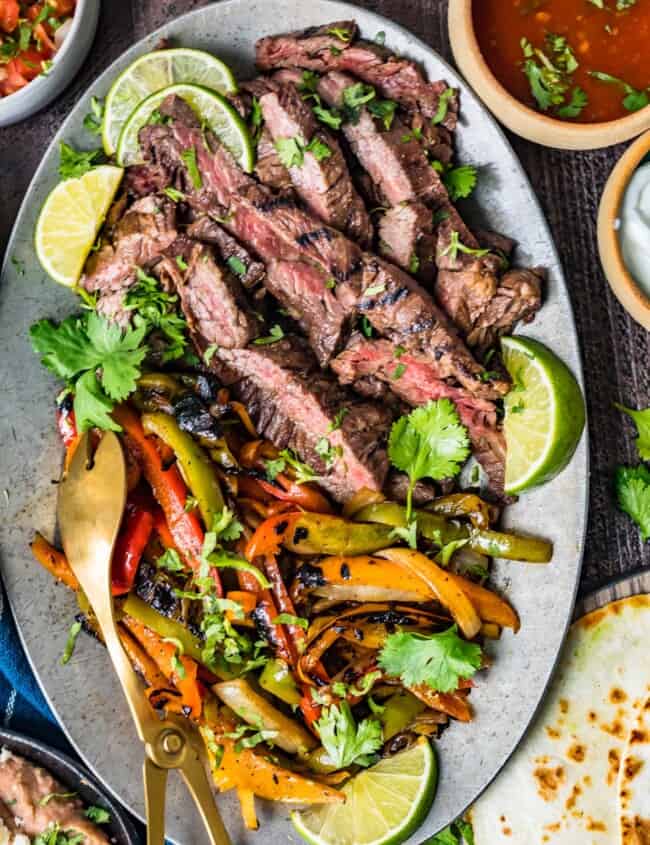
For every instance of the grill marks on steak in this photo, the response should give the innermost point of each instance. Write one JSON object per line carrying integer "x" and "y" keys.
{"x": 208, "y": 231}
{"x": 323, "y": 183}
{"x": 319, "y": 49}
{"x": 293, "y": 403}
{"x": 416, "y": 380}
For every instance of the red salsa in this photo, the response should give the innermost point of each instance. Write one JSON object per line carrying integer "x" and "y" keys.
{"x": 30, "y": 35}
{"x": 581, "y": 60}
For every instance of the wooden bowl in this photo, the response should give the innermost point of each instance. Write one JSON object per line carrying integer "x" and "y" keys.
{"x": 625, "y": 288}
{"x": 521, "y": 119}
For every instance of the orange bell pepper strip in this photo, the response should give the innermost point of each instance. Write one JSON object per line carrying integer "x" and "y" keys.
{"x": 269, "y": 535}
{"x": 302, "y": 495}
{"x": 489, "y": 606}
{"x": 168, "y": 488}
{"x": 254, "y": 770}
{"x": 164, "y": 655}
{"x": 452, "y": 703}
{"x": 54, "y": 561}
{"x": 247, "y": 601}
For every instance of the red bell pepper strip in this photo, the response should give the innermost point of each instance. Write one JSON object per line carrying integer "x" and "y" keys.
{"x": 137, "y": 525}
{"x": 269, "y": 535}
{"x": 298, "y": 494}
{"x": 162, "y": 530}
{"x": 169, "y": 490}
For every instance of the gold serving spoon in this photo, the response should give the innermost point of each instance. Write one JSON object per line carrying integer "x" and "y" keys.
{"x": 92, "y": 496}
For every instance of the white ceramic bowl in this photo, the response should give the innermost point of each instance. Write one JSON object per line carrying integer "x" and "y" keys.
{"x": 42, "y": 90}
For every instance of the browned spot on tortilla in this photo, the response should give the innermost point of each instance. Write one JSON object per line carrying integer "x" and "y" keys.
{"x": 592, "y": 715}
{"x": 553, "y": 733}
{"x": 548, "y": 781}
{"x": 638, "y": 736}
{"x": 615, "y": 729}
{"x": 564, "y": 706}
{"x": 594, "y": 825}
{"x": 587, "y": 780}
{"x": 632, "y": 767}
{"x": 625, "y": 795}
{"x": 596, "y": 616}
{"x": 636, "y": 831}
{"x": 617, "y": 695}
{"x": 553, "y": 828}
{"x": 577, "y": 752}
{"x": 614, "y": 759}
{"x": 502, "y": 819}
{"x": 572, "y": 799}
{"x": 507, "y": 831}
{"x": 646, "y": 706}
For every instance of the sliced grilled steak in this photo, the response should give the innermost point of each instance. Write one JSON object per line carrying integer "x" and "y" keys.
{"x": 436, "y": 140}
{"x": 394, "y": 158}
{"x": 268, "y": 167}
{"x": 495, "y": 241}
{"x": 293, "y": 403}
{"x": 320, "y": 49}
{"x": 406, "y": 238}
{"x": 249, "y": 271}
{"x": 212, "y": 298}
{"x": 416, "y": 380}
{"x": 321, "y": 178}
{"x": 397, "y": 485}
{"x": 138, "y": 240}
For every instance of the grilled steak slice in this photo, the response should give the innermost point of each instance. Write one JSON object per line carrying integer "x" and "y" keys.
{"x": 406, "y": 238}
{"x": 212, "y": 298}
{"x": 268, "y": 167}
{"x": 397, "y": 486}
{"x": 495, "y": 242}
{"x": 436, "y": 140}
{"x": 415, "y": 379}
{"x": 394, "y": 158}
{"x": 138, "y": 240}
{"x": 293, "y": 403}
{"x": 250, "y": 271}
{"x": 321, "y": 178}
{"x": 320, "y": 49}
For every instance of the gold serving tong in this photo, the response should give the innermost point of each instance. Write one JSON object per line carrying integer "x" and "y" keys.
{"x": 92, "y": 496}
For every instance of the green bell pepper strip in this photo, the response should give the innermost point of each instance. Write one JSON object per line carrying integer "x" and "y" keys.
{"x": 276, "y": 679}
{"x": 315, "y": 533}
{"x": 398, "y": 713}
{"x": 441, "y": 531}
{"x": 195, "y": 466}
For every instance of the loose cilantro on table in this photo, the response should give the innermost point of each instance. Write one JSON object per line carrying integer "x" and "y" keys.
{"x": 438, "y": 660}
{"x": 460, "y": 181}
{"x": 632, "y": 486}
{"x": 74, "y": 163}
{"x": 101, "y": 362}
{"x": 642, "y": 421}
{"x": 345, "y": 741}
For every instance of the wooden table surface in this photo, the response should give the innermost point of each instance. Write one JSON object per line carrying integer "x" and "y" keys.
{"x": 615, "y": 350}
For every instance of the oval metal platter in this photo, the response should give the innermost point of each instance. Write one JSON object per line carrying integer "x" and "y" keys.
{"x": 85, "y": 694}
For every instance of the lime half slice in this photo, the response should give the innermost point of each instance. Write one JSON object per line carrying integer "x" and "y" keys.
{"x": 545, "y": 414}
{"x": 152, "y": 72}
{"x": 70, "y": 219}
{"x": 212, "y": 108}
{"x": 384, "y": 804}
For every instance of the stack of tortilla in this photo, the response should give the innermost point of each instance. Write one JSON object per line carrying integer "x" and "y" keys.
{"x": 582, "y": 774}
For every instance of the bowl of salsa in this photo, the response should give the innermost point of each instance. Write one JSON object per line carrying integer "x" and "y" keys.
{"x": 571, "y": 74}
{"x": 42, "y": 46}
{"x": 624, "y": 230}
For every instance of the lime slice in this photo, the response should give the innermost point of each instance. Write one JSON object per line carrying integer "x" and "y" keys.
{"x": 545, "y": 414}
{"x": 212, "y": 108}
{"x": 70, "y": 220}
{"x": 152, "y": 72}
{"x": 384, "y": 804}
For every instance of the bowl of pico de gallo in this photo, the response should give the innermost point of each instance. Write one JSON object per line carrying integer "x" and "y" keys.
{"x": 42, "y": 46}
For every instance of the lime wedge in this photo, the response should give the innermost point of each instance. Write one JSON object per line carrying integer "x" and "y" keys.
{"x": 384, "y": 804}
{"x": 152, "y": 72}
{"x": 545, "y": 414}
{"x": 212, "y": 108}
{"x": 70, "y": 220}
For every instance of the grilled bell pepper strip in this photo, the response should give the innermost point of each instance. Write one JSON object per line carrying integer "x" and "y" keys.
{"x": 302, "y": 495}
{"x": 264, "y": 614}
{"x": 276, "y": 678}
{"x": 143, "y": 613}
{"x": 195, "y": 466}
{"x": 165, "y": 656}
{"x": 452, "y": 703}
{"x": 54, "y": 561}
{"x": 441, "y": 532}
{"x": 442, "y": 587}
{"x": 489, "y": 606}
{"x": 67, "y": 426}
{"x": 481, "y": 513}
{"x": 398, "y": 713}
{"x": 168, "y": 488}
{"x": 137, "y": 524}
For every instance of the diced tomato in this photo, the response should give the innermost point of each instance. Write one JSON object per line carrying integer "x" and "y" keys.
{"x": 13, "y": 79}
{"x": 29, "y": 63}
{"x": 9, "y": 14}
{"x": 64, "y": 7}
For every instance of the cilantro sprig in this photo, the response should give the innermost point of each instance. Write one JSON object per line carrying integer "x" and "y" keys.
{"x": 345, "y": 741}
{"x": 642, "y": 421}
{"x": 632, "y": 486}
{"x": 74, "y": 163}
{"x": 159, "y": 309}
{"x": 438, "y": 660}
{"x": 634, "y": 99}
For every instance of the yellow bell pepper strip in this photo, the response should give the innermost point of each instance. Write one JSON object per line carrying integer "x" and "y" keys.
{"x": 440, "y": 531}
{"x": 454, "y": 704}
{"x": 254, "y": 709}
{"x": 248, "y": 768}
{"x": 442, "y": 586}
{"x": 398, "y": 713}
{"x": 276, "y": 679}
{"x": 195, "y": 466}
{"x": 247, "y": 804}
{"x": 165, "y": 656}
{"x": 54, "y": 561}
{"x": 489, "y": 606}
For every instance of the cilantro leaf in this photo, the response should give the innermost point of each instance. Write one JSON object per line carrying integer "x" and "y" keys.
{"x": 318, "y": 149}
{"x": 98, "y": 815}
{"x": 92, "y": 407}
{"x": 120, "y": 354}
{"x": 455, "y": 246}
{"x": 330, "y": 117}
{"x": 459, "y": 832}
{"x": 291, "y": 151}
{"x": 64, "y": 349}
{"x": 171, "y": 561}
{"x": 189, "y": 159}
{"x": 290, "y": 619}
{"x": 273, "y": 467}
{"x": 443, "y": 106}
{"x": 430, "y": 442}
{"x": 74, "y": 163}
{"x": 575, "y": 105}
{"x": 274, "y": 336}
{"x": 93, "y": 120}
{"x": 354, "y": 98}
{"x": 342, "y": 34}
{"x": 236, "y": 265}
{"x": 633, "y": 493}
{"x": 642, "y": 421}
{"x": 384, "y": 110}
{"x": 438, "y": 660}
{"x": 227, "y": 527}
{"x": 159, "y": 310}
{"x": 303, "y": 472}
{"x": 345, "y": 741}
{"x": 460, "y": 181}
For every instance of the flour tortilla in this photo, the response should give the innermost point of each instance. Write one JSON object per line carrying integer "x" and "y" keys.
{"x": 560, "y": 787}
{"x": 634, "y": 782}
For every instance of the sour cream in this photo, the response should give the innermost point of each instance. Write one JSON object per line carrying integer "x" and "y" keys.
{"x": 634, "y": 229}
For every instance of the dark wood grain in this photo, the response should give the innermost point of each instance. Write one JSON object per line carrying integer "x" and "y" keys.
{"x": 615, "y": 350}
